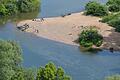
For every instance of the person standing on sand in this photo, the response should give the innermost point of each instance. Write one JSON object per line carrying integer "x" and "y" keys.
{"x": 37, "y": 31}
{"x": 42, "y": 19}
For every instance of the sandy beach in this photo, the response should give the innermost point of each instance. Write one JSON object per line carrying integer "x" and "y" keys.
{"x": 66, "y": 29}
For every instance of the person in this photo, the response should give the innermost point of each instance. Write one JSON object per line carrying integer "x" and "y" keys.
{"x": 42, "y": 19}
{"x": 37, "y": 31}
{"x": 111, "y": 49}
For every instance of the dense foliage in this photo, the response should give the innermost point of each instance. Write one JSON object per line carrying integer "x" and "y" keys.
{"x": 50, "y": 72}
{"x": 10, "y": 7}
{"x": 10, "y": 59}
{"x": 96, "y": 9}
{"x": 11, "y": 69}
{"x": 90, "y": 37}
{"x": 113, "y": 20}
{"x": 113, "y": 5}
{"x": 28, "y": 5}
{"x": 114, "y": 77}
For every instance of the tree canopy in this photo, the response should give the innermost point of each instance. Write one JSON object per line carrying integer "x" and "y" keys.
{"x": 51, "y": 72}
{"x": 11, "y": 7}
{"x": 10, "y": 59}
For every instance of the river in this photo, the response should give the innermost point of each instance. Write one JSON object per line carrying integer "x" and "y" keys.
{"x": 38, "y": 51}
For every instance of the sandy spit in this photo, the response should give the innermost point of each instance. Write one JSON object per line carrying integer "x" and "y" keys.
{"x": 66, "y": 29}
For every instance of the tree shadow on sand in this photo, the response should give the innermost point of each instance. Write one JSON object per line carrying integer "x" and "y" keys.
{"x": 112, "y": 40}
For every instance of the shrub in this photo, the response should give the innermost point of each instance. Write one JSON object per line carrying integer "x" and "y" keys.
{"x": 113, "y": 2}
{"x": 96, "y": 9}
{"x": 114, "y": 8}
{"x": 113, "y": 20}
{"x": 90, "y": 37}
{"x": 113, "y": 5}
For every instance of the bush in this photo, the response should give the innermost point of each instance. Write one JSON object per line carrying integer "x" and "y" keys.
{"x": 114, "y": 8}
{"x": 114, "y": 77}
{"x": 96, "y": 9}
{"x": 113, "y": 20}
{"x": 90, "y": 37}
{"x": 113, "y": 5}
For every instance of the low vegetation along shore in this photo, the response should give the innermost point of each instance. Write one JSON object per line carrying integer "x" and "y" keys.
{"x": 66, "y": 29}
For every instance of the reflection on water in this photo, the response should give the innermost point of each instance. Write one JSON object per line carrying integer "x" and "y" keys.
{"x": 19, "y": 17}
{"x": 80, "y": 65}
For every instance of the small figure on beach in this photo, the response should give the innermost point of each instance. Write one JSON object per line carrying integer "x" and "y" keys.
{"x": 34, "y": 20}
{"x": 111, "y": 49}
{"x": 69, "y": 14}
{"x": 36, "y": 30}
{"x": 42, "y": 19}
{"x": 63, "y": 15}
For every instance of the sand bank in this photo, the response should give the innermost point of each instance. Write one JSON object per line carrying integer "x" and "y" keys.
{"x": 66, "y": 29}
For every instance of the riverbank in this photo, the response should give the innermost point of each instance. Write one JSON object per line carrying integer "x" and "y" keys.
{"x": 66, "y": 29}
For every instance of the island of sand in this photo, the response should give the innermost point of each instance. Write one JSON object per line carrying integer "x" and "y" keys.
{"x": 66, "y": 29}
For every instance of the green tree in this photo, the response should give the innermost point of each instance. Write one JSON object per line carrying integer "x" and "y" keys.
{"x": 90, "y": 37}
{"x": 11, "y": 7}
{"x": 50, "y": 72}
{"x": 96, "y": 9}
{"x": 28, "y": 5}
{"x": 10, "y": 59}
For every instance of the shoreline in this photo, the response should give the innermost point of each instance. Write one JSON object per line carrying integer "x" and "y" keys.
{"x": 66, "y": 29}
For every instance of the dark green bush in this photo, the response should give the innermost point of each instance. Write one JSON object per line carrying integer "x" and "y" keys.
{"x": 96, "y": 9}
{"x": 12, "y": 7}
{"x": 114, "y": 8}
{"x": 28, "y": 5}
{"x": 113, "y": 5}
{"x": 3, "y": 10}
{"x": 90, "y": 37}
{"x": 110, "y": 2}
{"x": 113, "y": 20}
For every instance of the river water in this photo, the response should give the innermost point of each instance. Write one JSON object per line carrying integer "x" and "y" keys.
{"x": 38, "y": 51}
